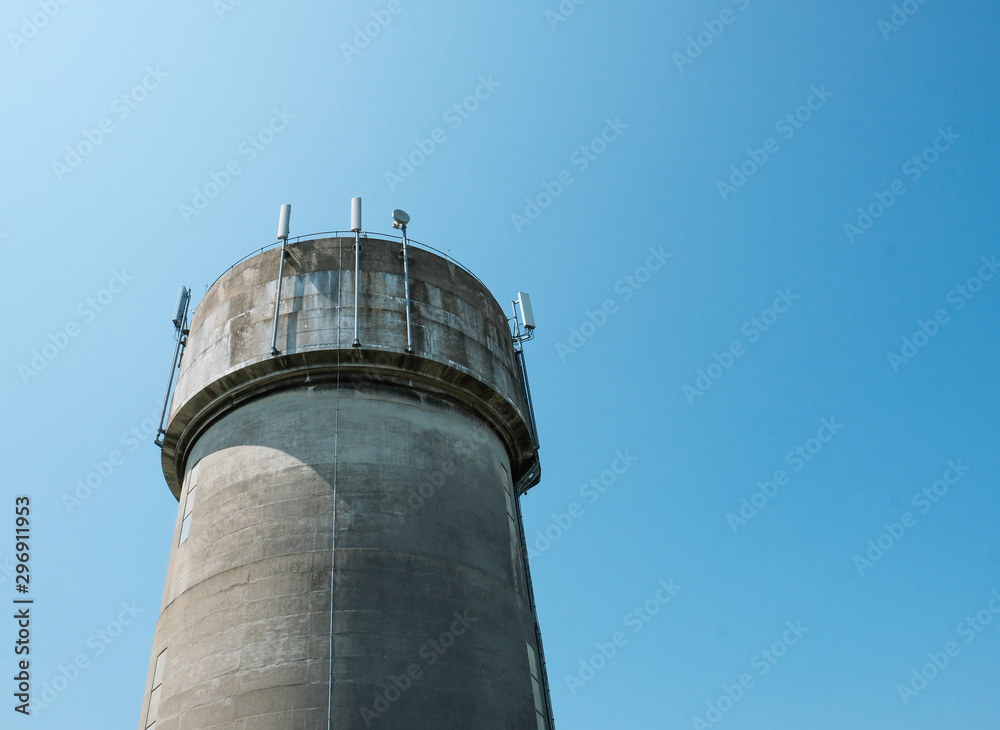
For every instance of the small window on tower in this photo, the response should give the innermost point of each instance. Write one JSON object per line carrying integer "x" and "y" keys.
{"x": 536, "y": 689}
{"x": 154, "y": 693}
{"x": 189, "y": 504}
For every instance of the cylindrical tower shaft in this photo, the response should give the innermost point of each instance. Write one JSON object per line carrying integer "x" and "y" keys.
{"x": 347, "y": 552}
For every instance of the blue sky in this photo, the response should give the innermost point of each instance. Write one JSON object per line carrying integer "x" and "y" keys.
{"x": 832, "y": 274}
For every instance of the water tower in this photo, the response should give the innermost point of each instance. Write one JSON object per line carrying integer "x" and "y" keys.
{"x": 348, "y": 438}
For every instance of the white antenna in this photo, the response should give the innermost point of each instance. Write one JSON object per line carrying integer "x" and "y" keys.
{"x": 283, "y": 220}
{"x": 399, "y": 220}
{"x": 527, "y": 315}
{"x": 356, "y": 227}
{"x": 356, "y": 214}
{"x": 523, "y": 303}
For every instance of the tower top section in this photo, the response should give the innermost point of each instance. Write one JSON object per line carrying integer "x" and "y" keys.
{"x": 335, "y": 327}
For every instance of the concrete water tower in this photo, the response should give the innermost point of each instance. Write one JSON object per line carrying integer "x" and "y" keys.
{"x": 348, "y": 438}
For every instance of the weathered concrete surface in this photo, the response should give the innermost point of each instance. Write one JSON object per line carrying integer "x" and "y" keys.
{"x": 415, "y": 455}
{"x": 460, "y": 337}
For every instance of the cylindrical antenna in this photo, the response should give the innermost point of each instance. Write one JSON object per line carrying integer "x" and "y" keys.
{"x": 356, "y": 214}
{"x": 356, "y": 227}
{"x": 283, "y": 221}
{"x": 399, "y": 220}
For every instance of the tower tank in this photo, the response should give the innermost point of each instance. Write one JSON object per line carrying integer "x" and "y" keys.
{"x": 348, "y": 550}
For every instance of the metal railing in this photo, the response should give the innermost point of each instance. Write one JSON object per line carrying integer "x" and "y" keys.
{"x": 350, "y": 234}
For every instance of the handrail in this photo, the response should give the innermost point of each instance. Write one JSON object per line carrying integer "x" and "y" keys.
{"x": 364, "y": 234}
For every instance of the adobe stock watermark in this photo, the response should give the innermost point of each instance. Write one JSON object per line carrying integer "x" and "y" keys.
{"x": 97, "y": 643}
{"x": 591, "y": 491}
{"x": 636, "y": 621}
{"x": 968, "y": 630}
{"x": 913, "y": 170}
{"x": 698, "y": 44}
{"x": 6, "y": 569}
{"x": 562, "y": 12}
{"x": 364, "y": 35}
{"x": 752, "y": 329}
{"x": 797, "y": 458}
{"x": 434, "y": 480}
{"x": 928, "y": 329}
{"x": 122, "y": 107}
{"x": 225, "y": 7}
{"x": 763, "y": 661}
{"x": 249, "y": 148}
{"x": 430, "y": 652}
{"x": 786, "y": 126}
{"x": 581, "y": 159}
{"x": 48, "y": 9}
{"x": 454, "y": 116}
{"x": 893, "y": 533}
{"x": 87, "y": 312}
{"x": 102, "y": 470}
{"x": 625, "y": 288}
{"x": 430, "y": 485}
{"x": 899, "y": 17}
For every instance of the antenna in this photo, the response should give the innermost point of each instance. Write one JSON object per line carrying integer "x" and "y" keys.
{"x": 356, "y": 214}
{"x": 180, "y": 325}
{"x": 283, "y": 219}
{"x": 180, "y": 309}
{"x": 356, "y": 227}
{"x": 399, "y": 220}
{"x": 527, "y": 315}
{"x": 522, "y": 305}
{"x": 523, "y": 302}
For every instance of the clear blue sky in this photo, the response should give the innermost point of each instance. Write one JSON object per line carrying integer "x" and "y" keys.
{"x": 634, "y": 166}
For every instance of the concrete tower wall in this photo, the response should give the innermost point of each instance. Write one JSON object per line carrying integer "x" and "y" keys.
{"x": 394, "y": 473}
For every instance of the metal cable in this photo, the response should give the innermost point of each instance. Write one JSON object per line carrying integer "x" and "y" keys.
{"x": 336, "y": 463}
